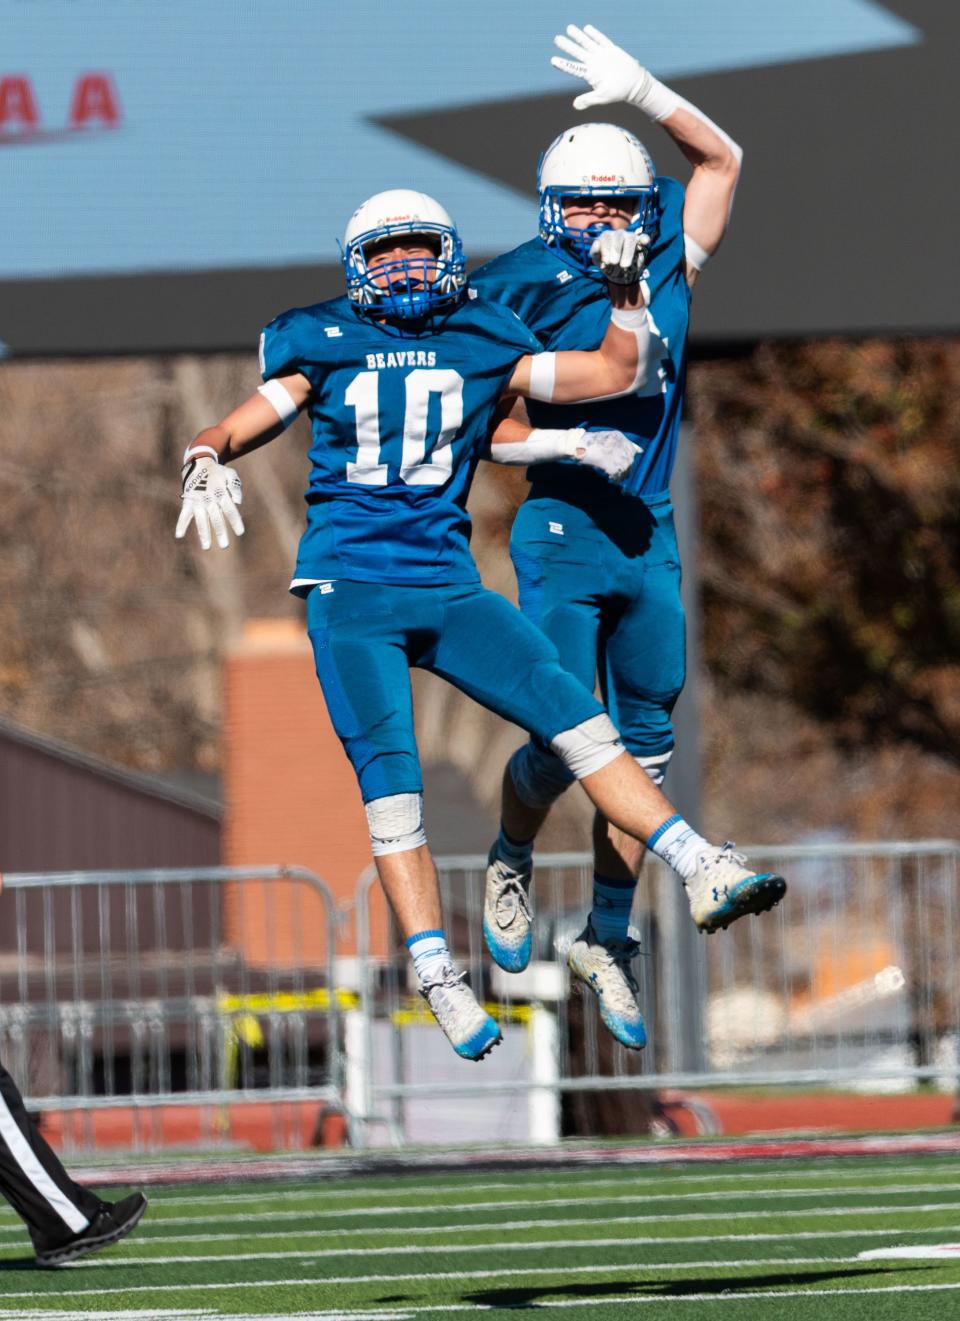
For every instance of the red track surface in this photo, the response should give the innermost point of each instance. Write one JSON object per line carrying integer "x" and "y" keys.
{"x": 322, "y": 1166}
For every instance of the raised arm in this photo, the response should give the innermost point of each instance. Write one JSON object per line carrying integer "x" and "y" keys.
{"x": 210, "y": 492}
{"x": 614, "y": 75}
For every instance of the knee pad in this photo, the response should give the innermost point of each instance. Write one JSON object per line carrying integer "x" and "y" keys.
{"x": 538, "y": 776}
{"x": 655, "y": 766}
{"x": 589, "y": 746}
{"x": 395, "y": 823}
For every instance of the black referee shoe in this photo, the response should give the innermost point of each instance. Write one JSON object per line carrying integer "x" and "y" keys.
{"x": 112, "y": 1222}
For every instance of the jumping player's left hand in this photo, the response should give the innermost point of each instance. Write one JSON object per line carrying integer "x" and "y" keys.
{"x": 621, "y": 254}
{"x": 613, "y": 74}
{"x": 609, "y": 451}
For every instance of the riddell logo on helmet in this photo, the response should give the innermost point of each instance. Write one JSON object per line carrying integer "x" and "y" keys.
{"x": 397, "y": 220}
{"x": 605, "y": 178}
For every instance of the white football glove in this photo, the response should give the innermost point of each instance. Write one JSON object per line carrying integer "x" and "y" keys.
{"x": 211, "y": 493}
{"x": 621, "y": 254}
{"x": 613, "y": 74}
{"x": 609, "y": 451}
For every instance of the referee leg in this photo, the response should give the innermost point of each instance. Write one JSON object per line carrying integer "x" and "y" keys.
{"x": 32, "y": 1179}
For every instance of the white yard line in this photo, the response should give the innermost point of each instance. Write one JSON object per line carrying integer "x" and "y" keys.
{"x": 803, "y": 1235}
{"x": 684, "y": 1217}
{"x": 165, "y": 1314}
{"x": 539, "y": 1222}
{"x": 627, "y": 1199}
{"x": 640, "y": 1179}
{"x": 635, "y": 1266}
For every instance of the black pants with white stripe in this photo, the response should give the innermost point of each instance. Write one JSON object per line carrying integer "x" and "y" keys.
{"x": 32, "y": 1179}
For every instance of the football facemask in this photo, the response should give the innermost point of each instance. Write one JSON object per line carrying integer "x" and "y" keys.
{"x": 578, "y": 241}
{"x": 404, "y": 288}
{"x": 594, "y": 160}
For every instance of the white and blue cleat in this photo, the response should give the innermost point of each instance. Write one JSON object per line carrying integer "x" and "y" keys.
{"x": 469, "y": 1028}
{"x": 507, "y": 920}
{"x": 604, "y": 967}
{"x": 723, "y": 889}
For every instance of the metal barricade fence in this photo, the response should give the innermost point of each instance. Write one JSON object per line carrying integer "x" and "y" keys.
{"x": 854, "y": 979}
{"x": 133, "y": 991}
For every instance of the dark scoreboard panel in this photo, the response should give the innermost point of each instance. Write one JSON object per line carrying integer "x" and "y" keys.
{"x": 172, "y": 176}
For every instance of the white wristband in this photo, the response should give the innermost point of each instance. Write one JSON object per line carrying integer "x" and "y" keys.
{"x": 280, "y": 399}
{"x": 539, "y": 447}
{"x": 194, "y": 451}
{"x": 630, "y": 318}
{"x": 654, "y": 98}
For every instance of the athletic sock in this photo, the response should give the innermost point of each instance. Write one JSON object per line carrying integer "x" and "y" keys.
{"x": 517, "y": 854}
{"x": 612, "y": 901}
{"x": 678, "y": 844}
{"x": 429, "y": 952}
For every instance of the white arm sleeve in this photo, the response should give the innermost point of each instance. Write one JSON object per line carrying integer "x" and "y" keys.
{"x": 681, "y": 102}
{"x": 540, "y": 447}
{"x": 664, "y": 103}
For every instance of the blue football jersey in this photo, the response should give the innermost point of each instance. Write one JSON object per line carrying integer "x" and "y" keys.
{"x": 568, "y": 308}
{"x": 399, "y": 421}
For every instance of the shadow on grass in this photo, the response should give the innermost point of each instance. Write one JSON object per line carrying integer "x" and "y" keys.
{"x": 672, "y": 1288}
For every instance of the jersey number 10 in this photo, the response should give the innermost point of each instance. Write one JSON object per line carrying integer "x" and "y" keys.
{"x": 362, "y": 395}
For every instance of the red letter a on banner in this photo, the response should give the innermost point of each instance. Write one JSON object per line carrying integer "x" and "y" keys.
{"x": 94, "y": 99}
{"x": 17, "y": 105}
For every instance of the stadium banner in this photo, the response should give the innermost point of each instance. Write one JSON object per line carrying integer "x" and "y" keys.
{"x": 172, "y": 175}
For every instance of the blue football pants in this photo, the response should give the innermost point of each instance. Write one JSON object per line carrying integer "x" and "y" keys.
{"x": 604, "y": 587}
{"x": 367, "y": 636}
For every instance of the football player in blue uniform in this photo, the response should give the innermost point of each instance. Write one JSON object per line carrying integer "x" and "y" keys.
{"x": 401, "y": 379}
{"x": 597, "y": 563}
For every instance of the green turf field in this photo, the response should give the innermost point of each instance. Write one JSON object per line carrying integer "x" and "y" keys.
{"x": 760, "y": 1240}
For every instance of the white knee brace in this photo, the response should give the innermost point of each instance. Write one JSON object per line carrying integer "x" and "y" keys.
{"x": 589, "y": 746}
{"x": 395, "y": 823}
{"x": 540, "y": 777}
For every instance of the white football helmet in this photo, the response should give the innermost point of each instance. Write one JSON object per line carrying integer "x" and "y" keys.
{"x": 601, "y": 160}
{"x": 413, "y": 287}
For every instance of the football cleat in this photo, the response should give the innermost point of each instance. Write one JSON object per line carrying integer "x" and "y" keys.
{"x": 469, "y": 1028}
{"x": 604, "y": 968}
{"x": 723, "y": 889}
{"x": 112, "y": 1222}
{"x": 507, "y": 921}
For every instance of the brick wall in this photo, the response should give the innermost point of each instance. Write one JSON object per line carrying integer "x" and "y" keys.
{"x": 290, "y": 794}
